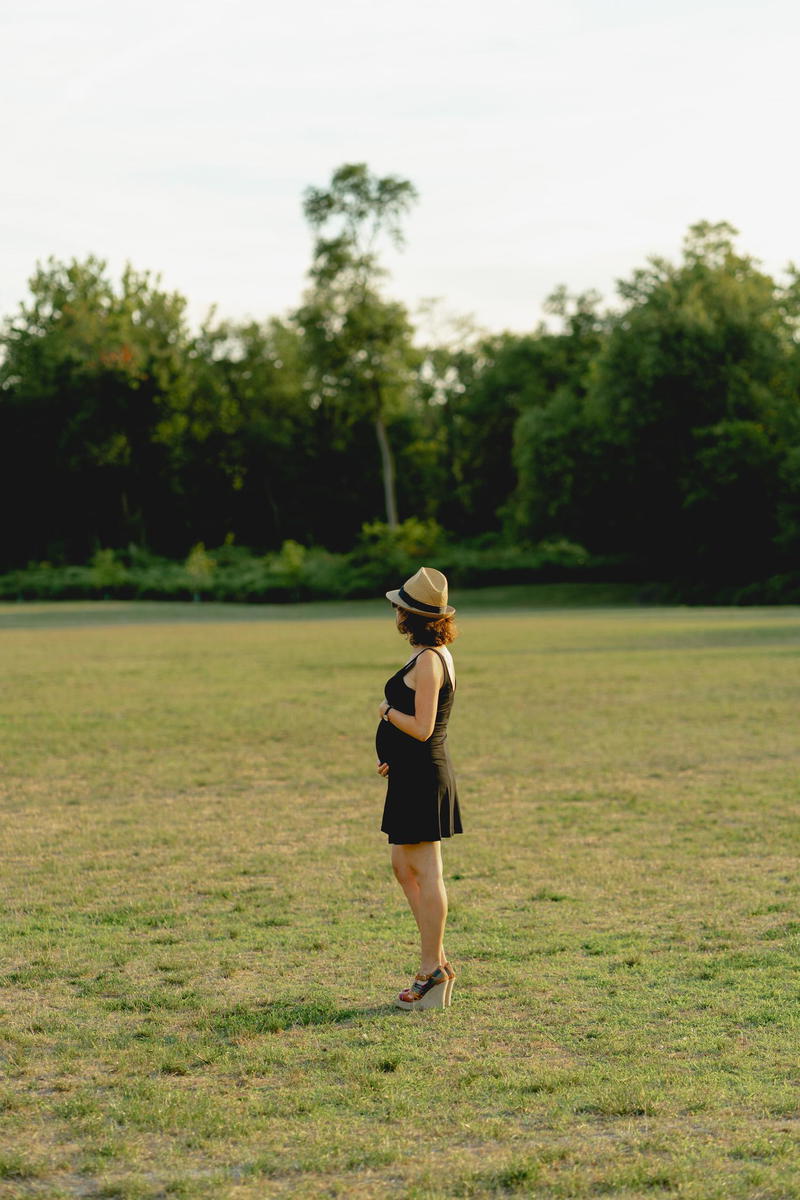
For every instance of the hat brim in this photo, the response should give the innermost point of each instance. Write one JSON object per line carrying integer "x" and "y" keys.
{"x": 394, "y": 598}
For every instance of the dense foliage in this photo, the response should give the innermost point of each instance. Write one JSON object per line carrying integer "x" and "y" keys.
{"x": 662, "y": 435}
{"x": 380, "y": 558}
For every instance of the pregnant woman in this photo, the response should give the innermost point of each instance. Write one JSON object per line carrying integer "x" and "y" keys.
{"x": 421, "y": 800}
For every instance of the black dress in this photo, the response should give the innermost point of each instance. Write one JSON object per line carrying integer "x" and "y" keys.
{"x": 421, "y": 799}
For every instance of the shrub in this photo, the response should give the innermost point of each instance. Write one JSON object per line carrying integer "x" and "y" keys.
{"x": 106, "y": 571}
{"x": 382, "y": 559}
{"x": 200, "y": 567}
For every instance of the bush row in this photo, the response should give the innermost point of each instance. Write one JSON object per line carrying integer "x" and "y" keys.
{"x": 382, "y": 559}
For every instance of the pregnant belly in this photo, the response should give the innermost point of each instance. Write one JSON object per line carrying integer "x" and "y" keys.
{"x": 383, "y": 742}
{"x": 394, "y": 746}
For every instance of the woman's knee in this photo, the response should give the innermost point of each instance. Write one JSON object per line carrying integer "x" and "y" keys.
{"x": 403, "y": 874}
{"x": 425, "y": 862}
{"x": 403, "y": 869}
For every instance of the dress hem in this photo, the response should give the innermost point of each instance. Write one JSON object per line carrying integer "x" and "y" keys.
{"x": 416, "y": 841}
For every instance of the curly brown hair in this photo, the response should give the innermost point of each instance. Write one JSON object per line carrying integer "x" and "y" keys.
{"x": 426, "y": 631}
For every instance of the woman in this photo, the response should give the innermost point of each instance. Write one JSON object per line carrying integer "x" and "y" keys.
{"x": 421, "y": 800}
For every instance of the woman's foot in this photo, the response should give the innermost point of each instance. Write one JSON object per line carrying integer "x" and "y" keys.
{"x": 427, "y": 991}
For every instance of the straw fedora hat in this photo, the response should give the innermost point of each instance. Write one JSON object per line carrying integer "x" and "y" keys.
{"x": 424, "y": 593}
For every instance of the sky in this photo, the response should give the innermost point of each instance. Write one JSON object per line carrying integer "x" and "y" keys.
{"x": 550, "y": 143}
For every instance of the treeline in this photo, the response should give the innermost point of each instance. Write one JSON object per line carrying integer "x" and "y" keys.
{"x": 662, "y": 435}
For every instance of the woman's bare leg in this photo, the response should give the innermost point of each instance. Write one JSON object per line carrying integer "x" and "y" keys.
{"x": 418, "y": 868}
{"x": 406, "y": 878}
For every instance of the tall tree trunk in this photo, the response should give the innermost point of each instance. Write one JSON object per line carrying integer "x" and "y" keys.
{"x": 387, "y": 464}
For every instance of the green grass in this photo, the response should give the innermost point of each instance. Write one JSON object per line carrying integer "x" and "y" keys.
{"x": 124, "y": 612}
{"x": 202, "y": 936}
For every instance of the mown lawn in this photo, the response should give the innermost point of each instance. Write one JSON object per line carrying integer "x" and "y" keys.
{"x": 202, "y": 936}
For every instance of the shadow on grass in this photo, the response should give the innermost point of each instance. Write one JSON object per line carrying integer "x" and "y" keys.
{"x": 273, "y": 1016}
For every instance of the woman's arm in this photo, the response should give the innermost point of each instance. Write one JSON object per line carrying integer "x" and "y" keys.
{"x": 429, "y": 674}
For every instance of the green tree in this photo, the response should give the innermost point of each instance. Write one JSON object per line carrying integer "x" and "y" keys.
{"x": 673, "y": 450}
{"x": 244, "y": 443}
{"x": 693, "y": 388}
{"x": 360, "y": 352}
{"x": 90, "y": 376}
{"x": 427, "y": 438}
{"x": 501, "y": 429}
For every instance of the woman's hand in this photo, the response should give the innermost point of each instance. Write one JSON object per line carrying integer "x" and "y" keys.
{"x": 382, "y": 707}
{"x": 383, "y": 768}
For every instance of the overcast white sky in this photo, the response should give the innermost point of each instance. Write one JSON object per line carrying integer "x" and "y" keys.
{"x": 549, "y": 142}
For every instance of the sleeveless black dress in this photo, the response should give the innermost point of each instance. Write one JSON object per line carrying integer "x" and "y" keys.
{"x": 421, "y": 799}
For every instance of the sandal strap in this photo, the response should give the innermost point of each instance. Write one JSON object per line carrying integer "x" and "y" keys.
{"x": 423, "y": 983}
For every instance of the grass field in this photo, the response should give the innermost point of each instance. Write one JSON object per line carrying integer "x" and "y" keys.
{"x": 202, "y": 936}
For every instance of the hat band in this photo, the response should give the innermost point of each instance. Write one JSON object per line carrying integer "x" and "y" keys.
{"x": 431, "y": 608}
